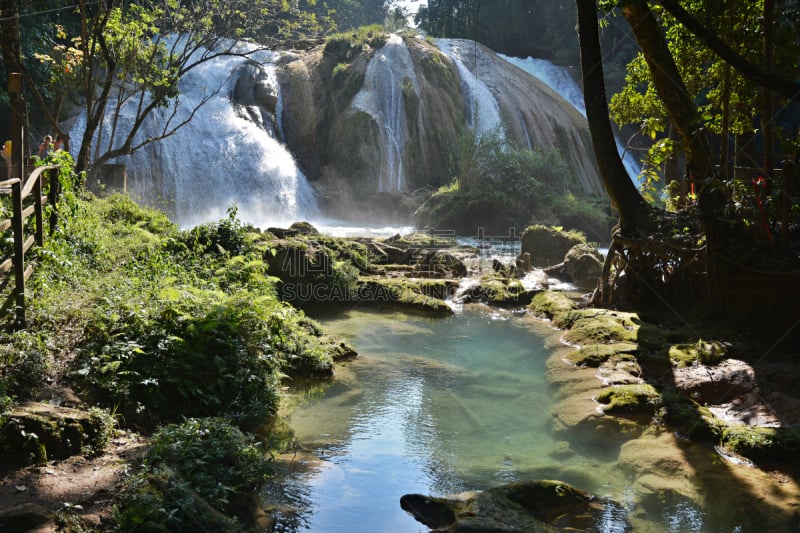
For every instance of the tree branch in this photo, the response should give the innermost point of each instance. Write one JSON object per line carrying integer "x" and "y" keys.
{"x": 752, "y": 71}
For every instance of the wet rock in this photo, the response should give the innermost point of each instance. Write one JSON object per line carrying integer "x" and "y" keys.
{"x": 533, "y": 506}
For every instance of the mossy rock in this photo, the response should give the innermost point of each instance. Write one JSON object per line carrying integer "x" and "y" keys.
{"x": 594, "y": 355}
{"x": 552, "y": 305}
{"x": 522, "y": 506}
{"x": 633, "y": 399}
{"x": 601, "y": 326}
{"x": 421, "y": 239}
{"x": 705, "y": 352}
{"x": 37, "y": 432}
{"x": 688, "y": 419}
{"x": 549, "y": 245}
{"x": 584, "y": 265}
{"x": 304, "y": 228}
{"x": 399, "y": 292}
{"x": 500, "y": 291}
{"x": 762, "y": 443}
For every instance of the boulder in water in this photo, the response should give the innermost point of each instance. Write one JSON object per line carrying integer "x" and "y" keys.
{"x": 548, "y": 245}
{"x": 542, "y": 505}
{"x": 583, "y": 264}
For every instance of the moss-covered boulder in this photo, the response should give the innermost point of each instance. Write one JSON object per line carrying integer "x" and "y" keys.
{"x": 703, "y": 352}
{"x": 548, "y": 245}
{"x": 500, "y": 291}
{"x": 37, "y": 432}
{"x": 554, "y": 305}
{"x": 583, "y": 264}
{"x": 525, "y": 506}
{"x": 408, "y": 294}
{"x": 601, "y": 326}
{"x": 632, "y": 399}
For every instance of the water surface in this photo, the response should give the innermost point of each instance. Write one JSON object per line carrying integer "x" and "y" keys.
{"x": 432, "y": 405}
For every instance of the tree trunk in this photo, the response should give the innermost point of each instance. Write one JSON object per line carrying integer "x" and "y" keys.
{"x": 633, "y": 211}
{"x": 681, "y": 110}
{"x": 670, "y": 87}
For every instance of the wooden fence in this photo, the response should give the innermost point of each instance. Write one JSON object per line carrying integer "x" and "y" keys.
{"x": 27, "y": 199}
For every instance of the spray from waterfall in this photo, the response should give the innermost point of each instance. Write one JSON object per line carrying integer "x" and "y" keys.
{"x": 222, "y": 157}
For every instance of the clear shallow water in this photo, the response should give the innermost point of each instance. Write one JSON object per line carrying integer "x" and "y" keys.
{"x": 443, "y": 405}
{"x": 432, "y": 405}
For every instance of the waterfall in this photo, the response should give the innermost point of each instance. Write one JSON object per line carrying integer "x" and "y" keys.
{"x": 229, "y": 153}
{"x": 381, "y": 96}
{"x": 480, "y": 105}
{"x": 559, "y": 79}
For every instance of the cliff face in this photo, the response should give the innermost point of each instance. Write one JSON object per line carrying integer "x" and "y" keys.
{"x": 374, "y": 120}
{"x": 385, "y": 119}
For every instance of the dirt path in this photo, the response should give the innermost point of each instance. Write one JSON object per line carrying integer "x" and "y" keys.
{"x": 89, "y": 483}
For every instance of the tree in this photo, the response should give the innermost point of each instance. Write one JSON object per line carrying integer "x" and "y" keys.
{"x": 630, "y": 205}
{"x": 685, "y": 258}
{"x": 134, "y": 55}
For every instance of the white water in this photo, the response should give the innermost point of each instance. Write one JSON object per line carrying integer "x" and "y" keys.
{"x": 381, "y": 97}
{"x": 481, "y": 107}
{"x": 217, "y": 160}
{"x": 559, "y": 79}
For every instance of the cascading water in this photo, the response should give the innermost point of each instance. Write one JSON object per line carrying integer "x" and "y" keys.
{"x": 481, "y": 107}
{"x": 228, "y": 154}
{"x": 559, "y": 79}
{"x": 381, "y": 96}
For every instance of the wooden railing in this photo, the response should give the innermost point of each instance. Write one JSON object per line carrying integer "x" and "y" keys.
{"x": 26, "y": 199}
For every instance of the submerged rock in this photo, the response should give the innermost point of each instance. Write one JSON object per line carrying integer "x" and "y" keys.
{"x": 533, "y": 506}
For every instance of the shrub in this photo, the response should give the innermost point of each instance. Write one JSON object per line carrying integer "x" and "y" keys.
{"x": 194, "y": 475}
{"x": 25, "y": 361}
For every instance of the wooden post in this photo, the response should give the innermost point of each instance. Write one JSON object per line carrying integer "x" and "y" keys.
{"x": 17, "y": 154}
{"x": 38, "y": 211}
{"x": 52, "y": 198}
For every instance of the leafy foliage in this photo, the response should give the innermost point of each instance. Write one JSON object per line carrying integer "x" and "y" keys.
{"x": 498, "y": 186}
{"x": 164, "y": 323}
{"x": 193, "y": 474}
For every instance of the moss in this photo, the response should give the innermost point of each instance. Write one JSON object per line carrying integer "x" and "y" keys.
{"x": 503, "y": 291}
{"x": 629, "y": 399}
{"x": 762, "y": 443}
{"x": 553, "y": 305}
{"x": 399, "y": 292}
{"x": 594, "y": 355}
{"x": 688, "y": 419}
{"x": 707, "y": 353}
{"x": 592, "y": 326}
{"x": 36, "y": 432}
{"x": 422, "y": 239}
